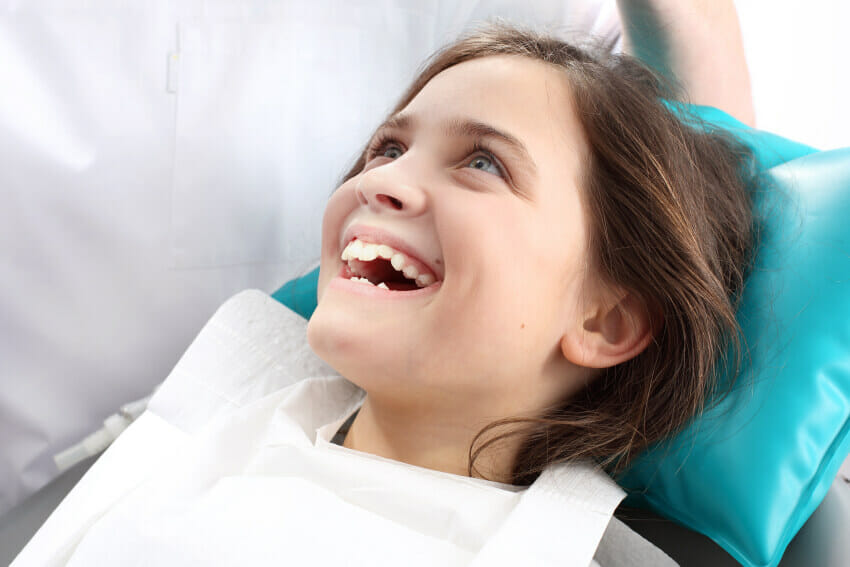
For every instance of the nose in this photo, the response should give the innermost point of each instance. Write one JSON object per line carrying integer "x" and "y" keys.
{"x": 386, "y": 190}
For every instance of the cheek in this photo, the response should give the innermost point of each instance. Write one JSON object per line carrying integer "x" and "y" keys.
{"x": 517, "y": 283}
{"x": 493, "y": 302}
{"x": 339, "y": 207}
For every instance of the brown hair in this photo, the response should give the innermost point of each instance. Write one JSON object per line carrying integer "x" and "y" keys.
{"x": 670, "y": 220}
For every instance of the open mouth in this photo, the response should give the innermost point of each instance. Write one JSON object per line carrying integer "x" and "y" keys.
{"x": 383, "y": 266}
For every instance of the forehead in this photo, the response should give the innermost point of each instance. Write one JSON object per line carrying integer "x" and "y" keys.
{"x": 529, "y": 99}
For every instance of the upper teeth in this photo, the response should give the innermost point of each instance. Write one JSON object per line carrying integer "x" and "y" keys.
{"x": 366, "y": 252}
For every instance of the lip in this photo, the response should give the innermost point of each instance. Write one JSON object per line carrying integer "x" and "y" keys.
{"x": 380, "y": 236}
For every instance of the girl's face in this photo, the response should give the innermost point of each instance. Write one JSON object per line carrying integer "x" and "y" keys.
{"x": 472, "y": 188}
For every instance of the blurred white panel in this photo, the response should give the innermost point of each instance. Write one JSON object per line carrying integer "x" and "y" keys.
{"x": 797, "y": 54}
{"x": 260, "y": 158}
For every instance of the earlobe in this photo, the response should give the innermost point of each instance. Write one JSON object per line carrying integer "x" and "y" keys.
{"x": 610, "y": 336}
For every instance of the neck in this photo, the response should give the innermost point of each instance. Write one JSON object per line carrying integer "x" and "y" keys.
{"x": 437, "y": 440}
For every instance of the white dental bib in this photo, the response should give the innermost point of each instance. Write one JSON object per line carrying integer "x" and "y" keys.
{"x": 232, "y": 464}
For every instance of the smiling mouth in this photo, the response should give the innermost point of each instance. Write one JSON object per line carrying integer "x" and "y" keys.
{"x": 382, "y": 266}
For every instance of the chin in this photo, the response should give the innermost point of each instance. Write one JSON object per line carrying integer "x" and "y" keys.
{"x": 355, "y": 351}
{"x": 327, "y": 336}
{"x": 343, "y": 341}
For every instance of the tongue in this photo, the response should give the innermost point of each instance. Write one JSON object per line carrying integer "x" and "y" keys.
{"x": 380, "y": 270}
{"x": 401, "y": 286}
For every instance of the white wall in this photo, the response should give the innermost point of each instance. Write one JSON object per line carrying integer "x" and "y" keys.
{"x": 797, "y": 53}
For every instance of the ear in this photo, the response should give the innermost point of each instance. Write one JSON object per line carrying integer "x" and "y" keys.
{"x": 610, "y": 333}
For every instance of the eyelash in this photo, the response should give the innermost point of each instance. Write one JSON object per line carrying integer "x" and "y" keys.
{"x": 383, "y": 140}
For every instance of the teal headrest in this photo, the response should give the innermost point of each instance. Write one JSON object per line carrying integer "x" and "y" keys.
{"x": 750, "y": 472}
{"x": 300, "y": 294}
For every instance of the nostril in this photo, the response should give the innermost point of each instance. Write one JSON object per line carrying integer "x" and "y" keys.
{"x": 391, "y": 201}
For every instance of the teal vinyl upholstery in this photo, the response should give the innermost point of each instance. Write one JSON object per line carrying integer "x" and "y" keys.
{"x": 750, "y": 471}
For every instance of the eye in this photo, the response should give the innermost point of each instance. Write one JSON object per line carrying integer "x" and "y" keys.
{"x": 485, "y": 163}
{"x": 485, "y": 160}
{"x": 392, "y": 152}
{"x": 482, "y": 158}
{"x": 384, "y": 146}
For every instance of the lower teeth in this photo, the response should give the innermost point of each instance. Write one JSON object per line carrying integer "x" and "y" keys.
{"x": 381, "y": 285}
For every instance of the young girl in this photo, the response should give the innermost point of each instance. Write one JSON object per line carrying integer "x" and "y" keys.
{"x": 528, "y": 273}
{"x": 559, "y": 253}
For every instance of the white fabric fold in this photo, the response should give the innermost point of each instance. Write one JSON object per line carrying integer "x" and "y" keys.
{"x": 233, "y": 464}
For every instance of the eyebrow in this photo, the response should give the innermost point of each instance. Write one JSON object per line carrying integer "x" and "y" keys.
{"x": 468, "y": 128}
